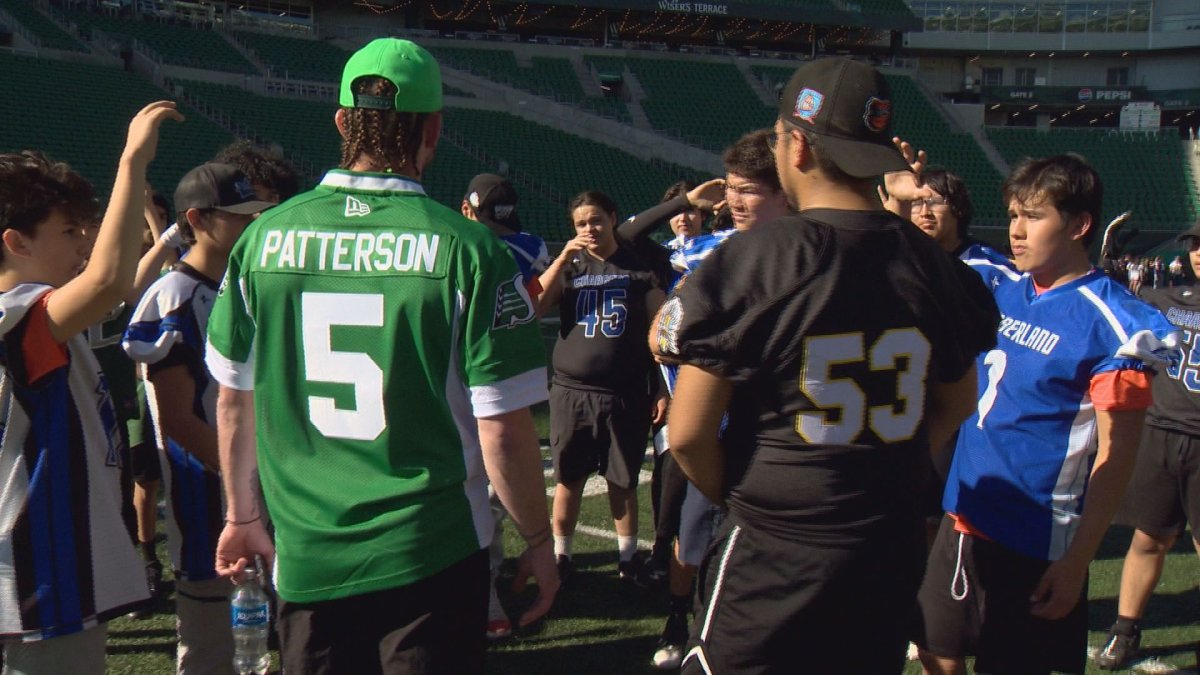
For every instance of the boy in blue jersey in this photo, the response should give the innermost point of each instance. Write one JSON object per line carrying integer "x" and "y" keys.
{"x": 166, "y": 334}
{"x": 1061, "y": 403}
{"x": 68, "y": 563}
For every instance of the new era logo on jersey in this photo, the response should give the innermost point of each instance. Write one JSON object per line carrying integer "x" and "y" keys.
{"x": 513, "y": 304}
{"x": 356, "y": 207}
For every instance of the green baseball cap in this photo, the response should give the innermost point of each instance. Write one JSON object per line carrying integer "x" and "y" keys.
{"x": 405, "y": 64}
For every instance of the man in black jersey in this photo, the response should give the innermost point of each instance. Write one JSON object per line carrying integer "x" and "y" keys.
{"x": 840, "y": 342}
{"x": 1163, "y": 497}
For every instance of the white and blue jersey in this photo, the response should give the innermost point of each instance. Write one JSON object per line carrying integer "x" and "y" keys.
{"x": 687, "y": 252}
{"x": 168, "y": 329}
{"x": 66, "y": 561}
{"x": 1023, "y": 459}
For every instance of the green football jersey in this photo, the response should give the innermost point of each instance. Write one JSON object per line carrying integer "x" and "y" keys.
{"x": 374, "y": 326}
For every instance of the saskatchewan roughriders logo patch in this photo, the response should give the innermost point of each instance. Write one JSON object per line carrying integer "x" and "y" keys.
{"x": 666, "y": 333}
{"x": 513, "y": 304}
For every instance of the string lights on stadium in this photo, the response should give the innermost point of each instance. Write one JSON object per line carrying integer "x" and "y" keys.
{"x": 380, "y": 9}
{"x": 699, "y": 32}
{"x": 584, "y": 19}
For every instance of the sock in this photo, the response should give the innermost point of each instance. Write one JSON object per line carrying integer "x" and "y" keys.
{"x": 1125, "y": 625}
{"x": 679, "y": 604}
{"x": 562, "y": 545}
{"x": 626, "y": 547}
{"x": 147, "y": 550}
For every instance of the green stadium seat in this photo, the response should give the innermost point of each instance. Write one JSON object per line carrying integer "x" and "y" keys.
{"x": 91, "y": 137}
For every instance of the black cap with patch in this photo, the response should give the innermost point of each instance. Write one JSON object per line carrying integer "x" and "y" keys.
{"x": 494, "y": 201}
{"x": 847, "y": 104}
{"x": 218, "y": 186}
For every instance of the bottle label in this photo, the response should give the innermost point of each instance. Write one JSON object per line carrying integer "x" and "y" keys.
{"x": 249, "y": 616}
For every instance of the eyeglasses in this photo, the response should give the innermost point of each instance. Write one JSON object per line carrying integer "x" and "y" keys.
{"x": 931, "y": 203}
{"x": 773, "y": 139}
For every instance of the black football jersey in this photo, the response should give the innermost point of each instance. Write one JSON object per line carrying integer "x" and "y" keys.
{"x": 604, "y": 322}
{"x": 1176, "y": 389}
{"x": 832, "y": 325}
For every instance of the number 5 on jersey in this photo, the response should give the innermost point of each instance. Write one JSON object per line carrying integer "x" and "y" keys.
{"x": 319, "y": 312}
{"x": 844, "y": 398}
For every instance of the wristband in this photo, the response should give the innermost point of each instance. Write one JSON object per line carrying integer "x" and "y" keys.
{"x": 173, "y": 237}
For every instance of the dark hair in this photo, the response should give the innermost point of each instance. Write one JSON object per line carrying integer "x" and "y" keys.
{"x": 592, "y": 198}
{"x": 751, "y": 157}
{"x": 160, "y": 201}
{"x": 679, "y": 188}
{"x": 390, "y": 136}
{"x": 263, "y": 166}
{"x": 950, "y": 186}
{"x": 1067, "y": 182}
{"x": 185, "y": 228}
{"x": 723, "y": 220}
{"x": 32, "y": 186}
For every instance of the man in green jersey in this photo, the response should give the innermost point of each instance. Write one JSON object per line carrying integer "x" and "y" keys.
{"x": 379, "y": 350}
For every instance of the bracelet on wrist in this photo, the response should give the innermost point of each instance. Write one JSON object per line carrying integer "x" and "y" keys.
{"x": 539, "y": 538}
{"x": 243, "y": 522}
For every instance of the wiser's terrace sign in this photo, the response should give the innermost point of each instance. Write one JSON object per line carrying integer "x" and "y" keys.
{"x": 694, "y": 7}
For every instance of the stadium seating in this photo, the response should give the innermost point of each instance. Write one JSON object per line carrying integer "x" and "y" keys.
{"x": 702, "y": 103}
{"x": 48, "y": 33}
{"x": 549, "y": 164}
{"x": 553, "y": 78}
{"x": 296, "y": 57}
{"x": 90, "y": 132}
{"x": 177, "y": 44}
{"x": 1141, "y": 172}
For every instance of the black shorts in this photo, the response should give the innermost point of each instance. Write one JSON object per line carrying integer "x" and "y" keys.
{"x": 992, "y": 621}
{"x": 769, "y": 604}
{"x": 1163, "y": 496}
{"x": 672, "y": 489}
{"x": 598, "y": 432}
{"x": 434, "y": 626}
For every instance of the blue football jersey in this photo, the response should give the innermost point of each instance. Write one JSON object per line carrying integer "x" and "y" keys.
{"x": 1023, "y": 459}
{"x": 989, "y": 263}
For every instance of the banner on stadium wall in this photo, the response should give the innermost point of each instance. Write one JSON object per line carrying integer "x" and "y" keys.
{"x": 752, "y": 10}
{"x": 1065, "y": 95}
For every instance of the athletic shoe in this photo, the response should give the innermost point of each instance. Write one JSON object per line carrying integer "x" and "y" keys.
{"x": 154, "y": 575}
{"x": 498, "y": 625}
{"x": 1118, "y": 649}
{"x": 669, "y": 652}
{"x": 634, "y": 570}
{"x": 566, "y": 569}
{"x": 498, "y": 629}
{"x": 657, "y": 568}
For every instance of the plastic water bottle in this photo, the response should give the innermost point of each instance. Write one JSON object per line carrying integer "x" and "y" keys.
{"x": 249, "y": 610}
